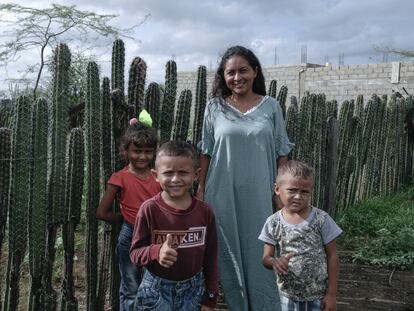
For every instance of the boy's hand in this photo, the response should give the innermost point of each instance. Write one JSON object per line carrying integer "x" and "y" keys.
{"x": 329, "y": 303}
{"x": 205, "y": 308}
{"x": 281, "y": 264}
{"x": 168, "y": 255}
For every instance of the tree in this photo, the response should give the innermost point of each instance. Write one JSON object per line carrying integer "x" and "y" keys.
{"x": 33, "y": 28}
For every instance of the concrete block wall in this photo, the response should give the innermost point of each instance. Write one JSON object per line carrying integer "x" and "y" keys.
{"x": 342, "y": 83}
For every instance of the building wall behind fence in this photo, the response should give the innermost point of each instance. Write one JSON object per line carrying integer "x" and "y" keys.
{"x": 342, "y": 83}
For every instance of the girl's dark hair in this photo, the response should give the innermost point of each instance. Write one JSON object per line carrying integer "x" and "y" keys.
{"x": 140, "y": 135}
{"x": 220, "y": 88}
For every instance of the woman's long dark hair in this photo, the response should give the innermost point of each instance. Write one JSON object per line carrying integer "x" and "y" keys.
{"x": 220, "y": 88}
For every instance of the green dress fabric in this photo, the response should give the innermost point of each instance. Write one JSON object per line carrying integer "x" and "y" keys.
{"x": 239, "y": 186}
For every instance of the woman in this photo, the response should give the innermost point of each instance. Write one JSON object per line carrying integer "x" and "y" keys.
{"x": 244, "y": 141}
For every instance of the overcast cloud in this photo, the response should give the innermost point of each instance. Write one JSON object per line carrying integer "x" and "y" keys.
{"x": 197, "y": 32}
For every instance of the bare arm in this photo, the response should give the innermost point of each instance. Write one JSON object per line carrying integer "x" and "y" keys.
{"x": 104, "y": 211}
{"x": 329, "y": 301}
{"x": 204, "y": 165}
{"x": 280, "y": 264}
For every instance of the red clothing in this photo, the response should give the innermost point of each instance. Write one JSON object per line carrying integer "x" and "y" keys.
{"x": 194, "y": 232}
{"x": 134, "y": 191}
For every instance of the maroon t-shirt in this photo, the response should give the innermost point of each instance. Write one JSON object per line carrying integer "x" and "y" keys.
{"x": 193, "y": 231}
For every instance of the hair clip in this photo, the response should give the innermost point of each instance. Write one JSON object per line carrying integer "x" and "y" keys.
{"x": 133, "y": 121}
{"x": 145, "y": 118}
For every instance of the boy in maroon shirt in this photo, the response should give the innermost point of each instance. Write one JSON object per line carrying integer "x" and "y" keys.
{"x": 175, "y": 238}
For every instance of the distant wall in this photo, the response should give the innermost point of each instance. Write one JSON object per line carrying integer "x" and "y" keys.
{"x": 342, "y": 83}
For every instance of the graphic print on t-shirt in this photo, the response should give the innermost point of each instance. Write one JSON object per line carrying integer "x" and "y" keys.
{"x": 192, "y": 237}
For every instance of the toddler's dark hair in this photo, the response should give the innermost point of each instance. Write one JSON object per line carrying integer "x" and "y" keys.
{"x": 176, "y": 148}
{"x": 140, "y": 135}
{"x": 296, "y": 169}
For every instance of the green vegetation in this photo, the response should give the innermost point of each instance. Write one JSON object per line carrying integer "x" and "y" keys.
{"x": 380, "y": 230}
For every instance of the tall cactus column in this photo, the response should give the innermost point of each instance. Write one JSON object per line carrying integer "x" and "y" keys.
{"x": 73, "y": 202}
{"x": 182, "y": 119}
{"x": 59, "y": 128}
{"x": 118, "y": 66}
{"x": 38, "y": 206}
{"x": 19, "y": 198}
{"x": 168, "y": 104}
{"x": 153, "y": 104}
{"x": 136, "y": 84}
{"x": 5, "y": 162}
{"x": 200, "y": 103}
{"x": 93, "y": 149}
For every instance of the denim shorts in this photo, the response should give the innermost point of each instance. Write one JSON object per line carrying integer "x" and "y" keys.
{"x": 160, "y": 294}
{"x": 288, "y": 304}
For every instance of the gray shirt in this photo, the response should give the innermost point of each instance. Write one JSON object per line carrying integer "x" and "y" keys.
{"x": 307, "y": 277}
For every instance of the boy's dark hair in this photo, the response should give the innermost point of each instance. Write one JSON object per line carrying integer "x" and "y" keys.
{"x": 220, "y": 88}
{"x": 176, "y": 148}
{"x": 296, "y": 169}
{"x": 140, "y": 135}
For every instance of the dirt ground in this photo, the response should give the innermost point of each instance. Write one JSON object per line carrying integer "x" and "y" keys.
{"x": 361, "y": 287}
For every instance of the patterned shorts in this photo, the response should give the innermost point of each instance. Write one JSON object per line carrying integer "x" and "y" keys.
{"x": 288, "y": 304}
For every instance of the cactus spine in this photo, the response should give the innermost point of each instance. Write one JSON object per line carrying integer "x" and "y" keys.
{"x": 118, "y": 65}
{"x": 200, "y": 103}
{"x": 19, "y": 198}
{"x": 152, "y": 103}
{"x": 136, "y": 84}
{"x": 168, "y": 104}
{"x": 38, "y": 206}
{"x": 93, "y": 149}
{"x": 182, "y": 118}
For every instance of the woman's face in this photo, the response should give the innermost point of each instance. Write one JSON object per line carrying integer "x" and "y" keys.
{"x": 239, "y": 75}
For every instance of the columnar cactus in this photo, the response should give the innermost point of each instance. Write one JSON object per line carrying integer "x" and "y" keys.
{"x": 118, "y": 66}
{"x": 182, "y": 118}
{"x": 93, "y": 149}
{"x": 200, "y": 103}
{"x": 292, "y": 125}
{"x": 136, "y": 84}
{"x": 19, "y": 198}
{"x": 153, "y": 103}
{"x": 281, "y": 98}
{"x": 59, "y": 128}
{"x": 168, "y": 104}
{"x": 38, "y": 203}
{"x": 272, "y": 89}
{"x": 73, "y": 202}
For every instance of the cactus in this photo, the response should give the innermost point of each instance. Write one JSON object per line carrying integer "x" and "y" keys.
{"x": 272, "y": 89}
{"x": 168, "y": 104}
{"x": 19, "y": 198}
{"x": 59, "y": 128}
{"x": 292, "y": 125}
{"x": 73, "y": 201}
{"x": 93, "y": 149}
{"x": 38, "y": 204}
{"x": 136, "y": 84}
{"x": 118, "y": 66}
{"x": 182, "y": 118}
{"x": 107, "y": 160}
{"x": 200, "y": 103}
{"x": 153, "y": 104}
{"x": 281, "y": 98}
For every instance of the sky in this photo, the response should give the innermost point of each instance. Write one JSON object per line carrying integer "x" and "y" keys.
{"x": 196, "y": 33}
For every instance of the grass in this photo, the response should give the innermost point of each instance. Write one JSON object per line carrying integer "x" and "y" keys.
{"x": 380, "y": 231}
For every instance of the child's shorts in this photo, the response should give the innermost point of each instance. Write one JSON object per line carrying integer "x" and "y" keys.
{"x": 160, "y": 294}
{"x": 288, "y": 304}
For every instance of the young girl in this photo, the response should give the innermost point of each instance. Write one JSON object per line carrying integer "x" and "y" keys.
{"x": 133, "y": 184}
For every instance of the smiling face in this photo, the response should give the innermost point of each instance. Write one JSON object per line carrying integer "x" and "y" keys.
{"x": 176, "y": 175}
{"x": 294, "y": 193}
{"x": 140, "y": 158}
{"x": 239, "y": 75}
